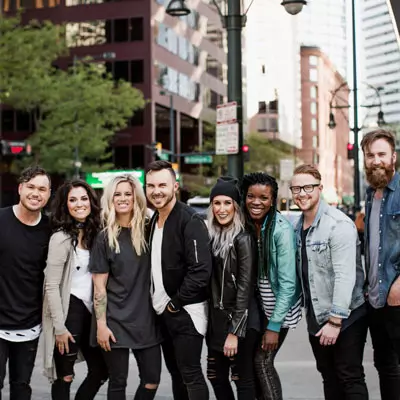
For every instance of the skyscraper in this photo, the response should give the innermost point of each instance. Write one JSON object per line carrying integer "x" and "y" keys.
{"x": 381, "y": 60}
{"x": 322, "y": 24}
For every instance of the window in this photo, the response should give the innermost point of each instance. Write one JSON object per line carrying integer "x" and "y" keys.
{"x": 121, "y": 30}
{"x": 7, "y": 120}
{"x": 313, "y": 60}
{"x": 137, "y": 71}
{"x": 313, "y": 92}
{"x": 136, "y": 29}
{"x": 313, "y": 108}
{"x": 313, "y": 75}
{"x": 89, "y": 33}
{"x": 138, "y": 118}
{"x": 314, "y": 125}
{"x": 121, "y": 70}
{"x": 262, "y": 107}
{"x": 23, "y": 120}
{"x": 262, "y": 124}
{"x": 315, "y": 142}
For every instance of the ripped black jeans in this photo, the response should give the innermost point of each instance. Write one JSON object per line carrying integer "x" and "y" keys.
{"x": 241, "y": 366}
{"x": 78, "y": 323}
{"x": 270, "y": 387}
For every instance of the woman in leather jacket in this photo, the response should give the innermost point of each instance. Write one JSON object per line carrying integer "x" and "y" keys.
{"x": 231, "y": 342}
{"x": 277, "y": 284}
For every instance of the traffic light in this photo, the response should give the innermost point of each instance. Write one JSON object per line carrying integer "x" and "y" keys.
{"x": 156, "y": 147}
{"x": 15, "y": 148}
{"x": 350, "y": 151}
{"x": 246, "y": 152}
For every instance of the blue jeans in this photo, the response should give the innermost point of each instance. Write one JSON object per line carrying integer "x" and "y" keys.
{"x": 21, "y": 360}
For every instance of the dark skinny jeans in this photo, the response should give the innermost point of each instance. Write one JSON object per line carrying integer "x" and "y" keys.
{"x": 270, "y": 387}
{"x": 78, "y": 324}
{"x": 241, "y": 366}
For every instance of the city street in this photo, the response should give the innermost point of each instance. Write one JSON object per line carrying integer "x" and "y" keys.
{"x": 295, "y": 363}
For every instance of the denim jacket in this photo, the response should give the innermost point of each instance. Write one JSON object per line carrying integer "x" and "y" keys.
{"x": 389, "y": 240}
{"x": 336, "y": 276}
{"x": 280, "y": 256}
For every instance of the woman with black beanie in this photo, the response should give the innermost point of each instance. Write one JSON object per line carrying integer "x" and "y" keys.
{"x": 230, "y": 339}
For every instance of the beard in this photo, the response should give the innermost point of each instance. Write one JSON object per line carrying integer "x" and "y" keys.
{"x": 379, "y": 177}
{"x": 160, "y": 202}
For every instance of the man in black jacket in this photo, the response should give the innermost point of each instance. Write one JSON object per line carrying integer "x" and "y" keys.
{"x": 180, "y": 269}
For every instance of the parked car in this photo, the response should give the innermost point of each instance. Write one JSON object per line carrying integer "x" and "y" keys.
{"x": 200, "y": 205}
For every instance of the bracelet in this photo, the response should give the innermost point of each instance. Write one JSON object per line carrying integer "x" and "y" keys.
{"x": 334, "y": 324}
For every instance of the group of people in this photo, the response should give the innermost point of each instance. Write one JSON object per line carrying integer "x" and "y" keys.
{"x": 102, "y": 278}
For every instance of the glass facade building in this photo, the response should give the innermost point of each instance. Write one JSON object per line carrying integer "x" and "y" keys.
{"x": 173, "y": 61}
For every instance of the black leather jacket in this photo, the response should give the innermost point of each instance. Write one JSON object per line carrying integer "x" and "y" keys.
{"x": 237, "y": 272}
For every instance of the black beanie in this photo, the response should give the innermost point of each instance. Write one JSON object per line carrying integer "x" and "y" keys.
{"x": 226, "y": 186}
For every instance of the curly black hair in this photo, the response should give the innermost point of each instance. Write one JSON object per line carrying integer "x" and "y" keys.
{"x": 260, "y": 178}
{"x": 61, "y": 219}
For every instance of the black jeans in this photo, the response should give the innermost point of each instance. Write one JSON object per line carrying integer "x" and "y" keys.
{"x": 78, "y": 323}
{"x": 341, "y": 364}
{"x": 21, "y": 360}
{"x": 182, "y": 353}
{"x": 270, "y": 387}
{"x": 242, "y": 367}
{"x": 149, "y": 365}
{"x": 384, "y": 328}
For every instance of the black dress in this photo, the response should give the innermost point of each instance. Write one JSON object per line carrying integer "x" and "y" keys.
{"x": 130, "y": 314}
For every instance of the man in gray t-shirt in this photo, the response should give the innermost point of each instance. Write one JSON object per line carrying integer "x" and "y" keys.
{"x": 382, "y": 257}
{"x": 373, "y": 228}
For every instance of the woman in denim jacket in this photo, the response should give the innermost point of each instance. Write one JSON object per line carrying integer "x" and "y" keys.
{"x": 278, "y": 287}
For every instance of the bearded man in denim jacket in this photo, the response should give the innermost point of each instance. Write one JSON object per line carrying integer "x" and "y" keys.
{"x": 332, "y": 278}
{"x": 382, "y": 257}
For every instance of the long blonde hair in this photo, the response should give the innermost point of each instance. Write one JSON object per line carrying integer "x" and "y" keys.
{"x": 137, "y": 223}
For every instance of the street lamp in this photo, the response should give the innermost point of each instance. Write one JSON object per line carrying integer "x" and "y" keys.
{"x": 293, "y": 7}
{"x": 103, "y": 56}
{"x": 234, "y": 21}
{"x": 177, "y": 8}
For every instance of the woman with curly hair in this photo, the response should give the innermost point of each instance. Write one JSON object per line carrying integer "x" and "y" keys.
{"x": 68, "y": 292}
{"x": 277, "y": 284}
{"x": 120, "y": 263}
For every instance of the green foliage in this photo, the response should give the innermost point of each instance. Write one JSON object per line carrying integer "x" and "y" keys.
{"x": 81, "y": 108}
{"x": 265, "y": 155}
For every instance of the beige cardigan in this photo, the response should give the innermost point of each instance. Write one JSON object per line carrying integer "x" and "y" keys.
{"x": 57, "y": 290}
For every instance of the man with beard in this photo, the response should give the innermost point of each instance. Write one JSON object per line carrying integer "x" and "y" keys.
{"x": 24, "y": 237}
{"x": 180, "y": 269}
{"x": 332, "y": 277}
{"x": 382, "y": 257}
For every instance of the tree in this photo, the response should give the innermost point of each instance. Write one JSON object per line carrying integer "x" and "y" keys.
{"x": 265, "y": 155}
{"x": 76, "y": 111}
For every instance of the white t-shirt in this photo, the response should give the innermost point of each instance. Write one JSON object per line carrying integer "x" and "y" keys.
{"x": 81, "y": 281}
{"x": 198, "y": 312}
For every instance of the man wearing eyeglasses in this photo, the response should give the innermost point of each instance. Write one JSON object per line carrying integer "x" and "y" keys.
{"x": 332, "y": 277}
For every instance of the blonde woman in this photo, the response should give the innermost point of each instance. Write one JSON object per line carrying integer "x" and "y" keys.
{"x": 120, "y": 264}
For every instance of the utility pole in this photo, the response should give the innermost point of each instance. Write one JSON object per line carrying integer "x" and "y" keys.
{"x": 356, "y": 129}
{"x": 234, "y": 23}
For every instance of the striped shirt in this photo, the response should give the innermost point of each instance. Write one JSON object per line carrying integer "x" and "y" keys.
{"x": 268, "y": 299}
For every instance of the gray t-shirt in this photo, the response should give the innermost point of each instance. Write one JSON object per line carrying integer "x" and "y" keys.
{"x": 373, "y": 279}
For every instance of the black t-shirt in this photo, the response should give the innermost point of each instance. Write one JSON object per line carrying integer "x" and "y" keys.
{"x": 130, "y": 314}
{"x": 23, "y": 253}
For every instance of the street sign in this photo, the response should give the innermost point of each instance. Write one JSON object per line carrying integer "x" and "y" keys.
{"x": 227, "y": 139}
{"x": 286, "y": 169}
{"x": 164, "y": 156}
{"x": 98, "y": 180}
{"x": 198, "y": 159}
{"x": 227, "y": 113}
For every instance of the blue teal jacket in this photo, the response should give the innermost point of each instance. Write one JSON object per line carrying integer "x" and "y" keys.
{"x": 279, "y": 255}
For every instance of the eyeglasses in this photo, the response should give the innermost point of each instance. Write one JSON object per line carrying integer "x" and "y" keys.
{"x": 306, "y": 188}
